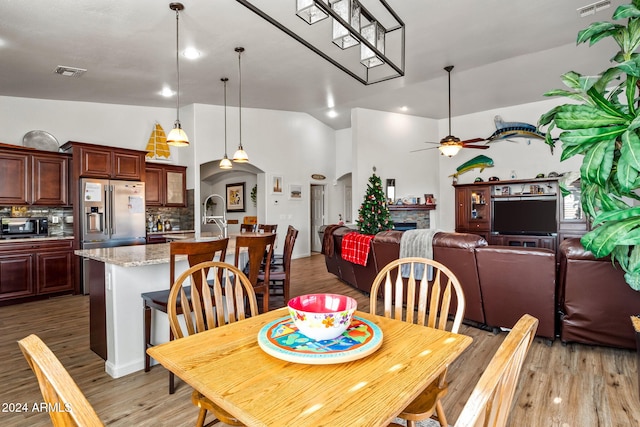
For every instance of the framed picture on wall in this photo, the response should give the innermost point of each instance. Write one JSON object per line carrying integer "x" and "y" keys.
{"x": 235, "y": 197}
{"x": 277, "y": 187}
{"x": 295, "y": 191}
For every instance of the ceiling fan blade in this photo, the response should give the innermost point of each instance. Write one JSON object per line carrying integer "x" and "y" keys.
{"x": 468, "y": 141}
{"x": 479, "y": 147}
{"x": 423, "y": 149}
{"x": 430, "y": 142}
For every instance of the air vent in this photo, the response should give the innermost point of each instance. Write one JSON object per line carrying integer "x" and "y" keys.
{"x": 593, "y": 8}
{"x": 69, "y": 71}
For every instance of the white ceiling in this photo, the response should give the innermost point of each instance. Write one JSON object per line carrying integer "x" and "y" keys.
{"x": 505, "y": 52}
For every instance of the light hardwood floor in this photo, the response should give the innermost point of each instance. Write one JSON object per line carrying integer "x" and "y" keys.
{"x": 563, "y": 386}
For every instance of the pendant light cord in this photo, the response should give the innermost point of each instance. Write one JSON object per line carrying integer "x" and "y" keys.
{"x": 449, "y": 68}
{"x": 240, "y": 94}
{"x": 177, "y": 67}
{"x": 225, "y": 116}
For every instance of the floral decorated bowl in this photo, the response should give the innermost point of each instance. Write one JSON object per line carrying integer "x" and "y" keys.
{"x": 322, "y": 316}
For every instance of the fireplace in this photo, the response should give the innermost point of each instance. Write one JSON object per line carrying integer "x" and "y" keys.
{"x": 404, "y": 226}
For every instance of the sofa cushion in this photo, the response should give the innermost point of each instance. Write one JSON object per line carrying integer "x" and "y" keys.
{"x": 596, "y": 302}
{"x": 457, "y": 252}
{"x": 517, "y": 280}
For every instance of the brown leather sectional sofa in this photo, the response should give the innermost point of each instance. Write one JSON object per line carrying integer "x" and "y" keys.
{"x": 585, "y": 300}
{"x": 594, "y": 301}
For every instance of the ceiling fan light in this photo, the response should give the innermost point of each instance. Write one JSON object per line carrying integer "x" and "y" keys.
{"x": 225, "y": 163}
{"x": 177, "y": 137}
{"x": 449, "y": 150}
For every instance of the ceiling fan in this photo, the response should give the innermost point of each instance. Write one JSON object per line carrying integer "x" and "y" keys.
{"x": 450, "y": 145}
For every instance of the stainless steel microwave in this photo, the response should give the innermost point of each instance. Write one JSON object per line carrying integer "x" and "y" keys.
{"x": 24, "y": 227}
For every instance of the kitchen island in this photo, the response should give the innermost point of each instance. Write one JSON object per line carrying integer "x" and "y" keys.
{"x": 117, "y": 278}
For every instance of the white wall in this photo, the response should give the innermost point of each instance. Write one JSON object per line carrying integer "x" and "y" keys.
{"x": 293, "y": 145}
{"x": 115, "y": 125}
{"x": 386, "y": 141}
{"x": 288, "y": 144}
{"x": 526, "y": 157}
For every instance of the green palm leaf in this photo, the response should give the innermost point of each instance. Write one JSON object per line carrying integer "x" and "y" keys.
{"x": 585, "y": 117}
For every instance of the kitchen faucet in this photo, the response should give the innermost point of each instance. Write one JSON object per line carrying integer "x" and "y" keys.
{"x": 220, "y": 221}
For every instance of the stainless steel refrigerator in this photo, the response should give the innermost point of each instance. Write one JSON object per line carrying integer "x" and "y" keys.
{"x": 112, "y": 213}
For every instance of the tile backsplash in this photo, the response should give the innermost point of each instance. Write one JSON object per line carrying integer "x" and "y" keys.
{"x": 60, "y": 219}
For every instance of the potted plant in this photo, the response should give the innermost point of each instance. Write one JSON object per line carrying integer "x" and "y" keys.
{"x": 604, "y": 127}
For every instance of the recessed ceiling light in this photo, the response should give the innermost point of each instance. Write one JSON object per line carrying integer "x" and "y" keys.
{"x": 332, "y": 113}
{"x": 191, "y": 53}
{"x": 167, "y": 92}
{"x": 404, "y": 108}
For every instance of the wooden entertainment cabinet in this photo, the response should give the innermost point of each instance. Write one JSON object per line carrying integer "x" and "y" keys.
{"x": 475, "y": 202}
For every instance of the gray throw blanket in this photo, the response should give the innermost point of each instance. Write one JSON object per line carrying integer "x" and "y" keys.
{"x": 417, "y": 243}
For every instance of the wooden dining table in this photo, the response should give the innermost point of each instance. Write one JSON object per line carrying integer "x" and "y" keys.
{"x": 227, "y": 365}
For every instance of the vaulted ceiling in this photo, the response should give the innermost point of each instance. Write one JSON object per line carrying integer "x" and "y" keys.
{"x": 505, "y": 52}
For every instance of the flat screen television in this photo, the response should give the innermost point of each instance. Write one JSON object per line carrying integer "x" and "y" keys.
{"x": 535, "y": 217}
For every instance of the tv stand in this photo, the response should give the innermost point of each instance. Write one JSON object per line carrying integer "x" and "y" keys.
{"x": 474, "y": 210}
{"x": 528, "y": 241}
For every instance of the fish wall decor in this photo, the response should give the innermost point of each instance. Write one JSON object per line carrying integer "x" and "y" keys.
{"x": 480, "y": 162}
{"x": 508, "y": 130}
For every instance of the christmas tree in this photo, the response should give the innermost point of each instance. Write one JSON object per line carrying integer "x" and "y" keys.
{"x": 374, "y": 215}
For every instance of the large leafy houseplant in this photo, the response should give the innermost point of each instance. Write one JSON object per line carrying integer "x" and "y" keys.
{"x": 604, "y": 127}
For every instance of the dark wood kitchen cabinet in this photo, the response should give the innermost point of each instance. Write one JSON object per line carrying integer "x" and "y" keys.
{"x": 36, "y": 177}
{"x": 165, "y": 185}
{"x": 35, "y": 268}
{"x": 99, "y": 161}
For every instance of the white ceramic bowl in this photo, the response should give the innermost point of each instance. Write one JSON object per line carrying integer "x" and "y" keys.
{"x": 322, "y": 316}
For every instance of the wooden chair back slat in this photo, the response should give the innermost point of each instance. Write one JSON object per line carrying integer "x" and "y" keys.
{"x": 207, "y": 310}
{"x": 491, "y": 399}
{"x": 419, "y": 300}
{"x": 58, "y": 389}
{"x": 260, "y": 249}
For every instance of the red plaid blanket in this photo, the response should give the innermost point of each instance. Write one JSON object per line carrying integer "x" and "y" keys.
{"x": 355, "y": 247}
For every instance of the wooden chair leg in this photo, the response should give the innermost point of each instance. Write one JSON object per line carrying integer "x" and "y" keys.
{"x": 411, "y": 423}
{"x": 147, "y": 337}
{"x": 172, "y": 378}
{"x": 442, "y": 419}
{"x": 265, "y": 301}
{"x": 201, "y": 416}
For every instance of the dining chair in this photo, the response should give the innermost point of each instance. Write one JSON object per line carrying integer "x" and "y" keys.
{"x": 194, "y": 309}
{"x": 57, "y": 387}
{"x": 491, "y": 399}
{"x": 281, "y": 273}
{"x": 259, "y": 249}
{"x": 196, "y": 253}
{"x": 425, "y": 292}
{"x": 247, "y": 228}
{"x": 277, "y": 257}
{"x": 268, "y": 228}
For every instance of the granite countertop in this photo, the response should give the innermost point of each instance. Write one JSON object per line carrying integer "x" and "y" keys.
{"x": 35, "y": 239}
{"x": 139, "y": 255}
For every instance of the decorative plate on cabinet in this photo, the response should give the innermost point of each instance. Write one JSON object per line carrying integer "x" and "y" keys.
{"x": 41, "y": 140}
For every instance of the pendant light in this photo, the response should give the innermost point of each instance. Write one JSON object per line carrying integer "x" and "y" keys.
{"x": 449, "y": 145}
{"x": 225, "y": 163}
{"x": 177, "y": 137}
{"x": 240, "y": 155}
